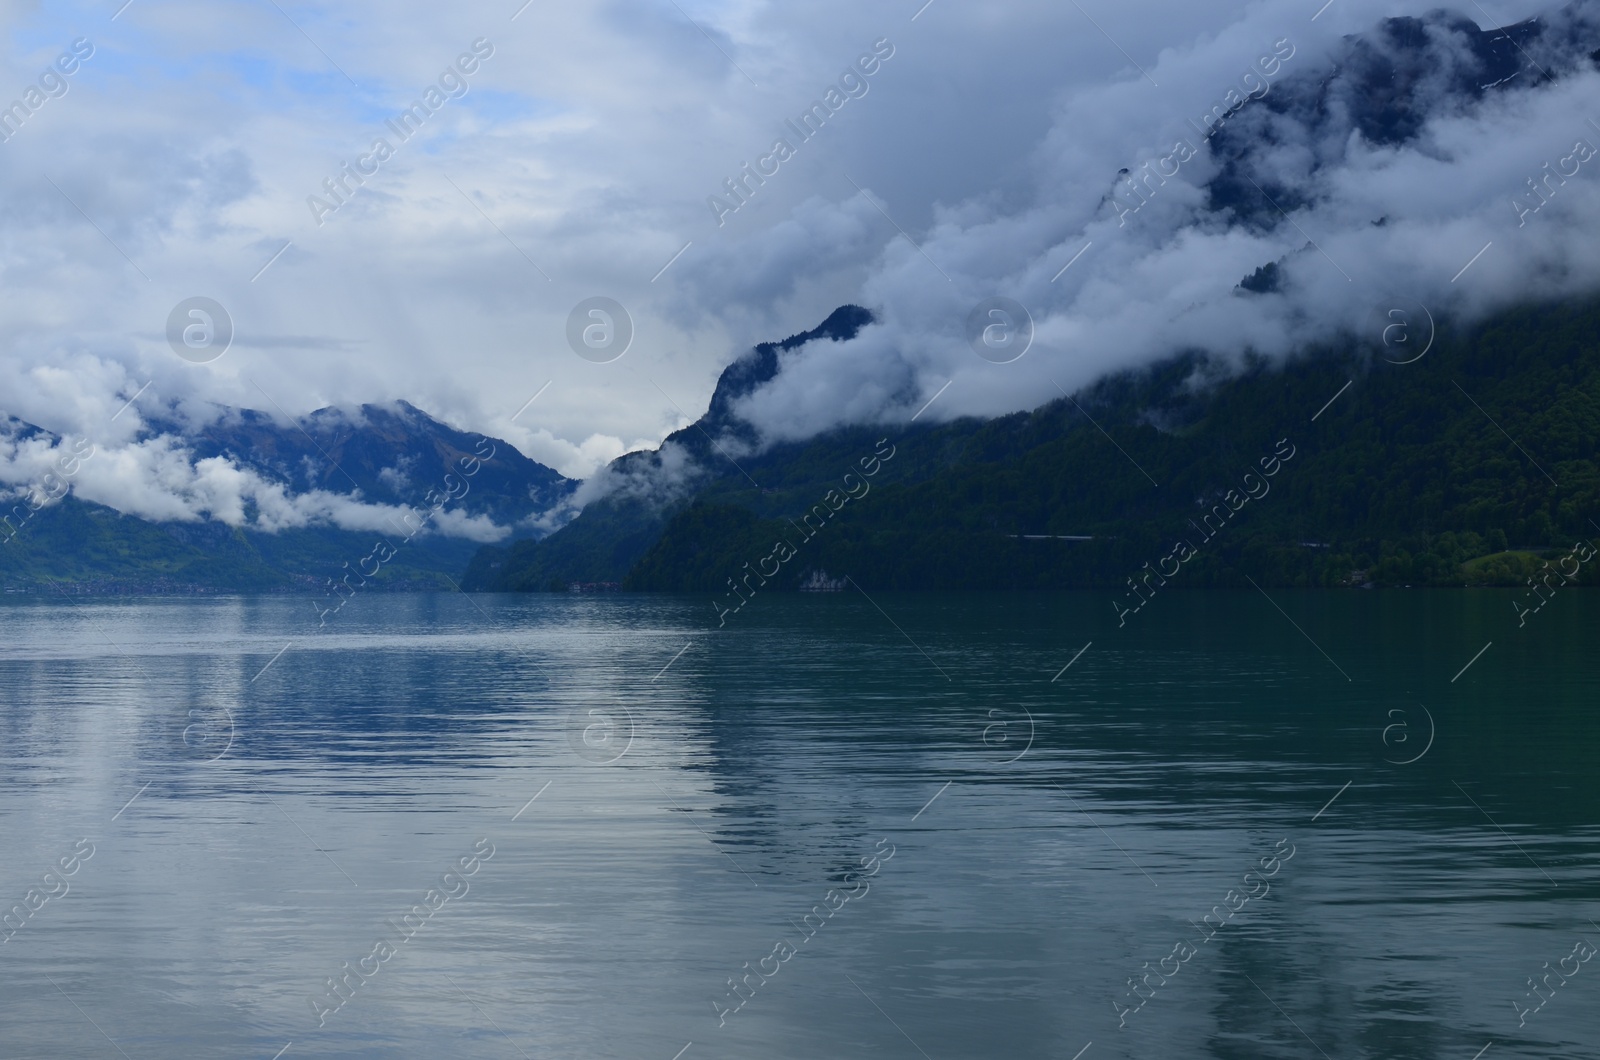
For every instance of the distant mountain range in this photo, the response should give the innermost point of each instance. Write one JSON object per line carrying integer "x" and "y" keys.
{"x": 391, "y": 454}
{"x": 1405, "y": 478}
{"x": 1409, "y": 477}
{"x": 392, "y": 464}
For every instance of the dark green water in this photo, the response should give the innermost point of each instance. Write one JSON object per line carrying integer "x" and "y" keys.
{"x": 989, "y": 847}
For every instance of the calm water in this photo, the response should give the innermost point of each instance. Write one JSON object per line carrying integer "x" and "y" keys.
{"x": 985, "y": 885}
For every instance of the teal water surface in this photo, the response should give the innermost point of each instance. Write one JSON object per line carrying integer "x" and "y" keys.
{"x": 911, "y": 825}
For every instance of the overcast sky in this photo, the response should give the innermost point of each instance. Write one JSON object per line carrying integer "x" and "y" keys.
{"x": 180, "y": 159}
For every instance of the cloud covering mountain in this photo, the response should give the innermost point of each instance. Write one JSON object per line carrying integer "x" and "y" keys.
{"x": 580, "y": 156}
{"x": 390, "y": 470}
{"x": 1368, "y": 173}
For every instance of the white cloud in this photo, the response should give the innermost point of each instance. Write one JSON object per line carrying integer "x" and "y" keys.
{"x": 588, "y": 144}
{"x": 1366, "y": 222}
{"x": 158, "y": 479}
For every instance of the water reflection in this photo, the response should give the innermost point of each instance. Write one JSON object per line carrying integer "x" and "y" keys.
{"x": 668, "y": 802}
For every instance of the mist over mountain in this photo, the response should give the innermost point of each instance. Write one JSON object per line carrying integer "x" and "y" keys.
{"x": 1395, "y": 150}
{"x": 1254, "y": 195}
{"x": 1383, "y": 88}
{"x": 421, "y": 548}
{"x": 249, "y": 500}
{"x": 388, "y": 456}
{"x": 1374, "y": 169}
{"x": 627, "y": 505}
{"x": 1378, "y": 153}
{"x": 1378, "y": 473}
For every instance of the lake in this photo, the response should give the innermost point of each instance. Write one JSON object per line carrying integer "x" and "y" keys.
{"x": 1241, "y": 824}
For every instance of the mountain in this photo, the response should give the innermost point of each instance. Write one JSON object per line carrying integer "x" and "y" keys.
{"x": 1038, "y": 500}
{"x": 1404, "y": 479}
{"x": 1411, "y": 495}
{"x": 390, "y": 454}
{"x": 318, "y": 495}
{"x": 1383, "y": 85}
{"x": 643, "y": 490}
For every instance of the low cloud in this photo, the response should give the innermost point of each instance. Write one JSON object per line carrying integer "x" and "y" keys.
{"x": 983, "y": 158}
{"x": 1369, "y": 212}
{"x": 158, "y": 479}
{"x": 658, "y": 479}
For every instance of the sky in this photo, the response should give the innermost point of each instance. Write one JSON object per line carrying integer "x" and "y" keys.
{"x": 185, "y": 157}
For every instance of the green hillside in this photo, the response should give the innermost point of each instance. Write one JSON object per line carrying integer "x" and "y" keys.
{"x": 1403, "y": 480}
{"x": 77, "y": 546}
